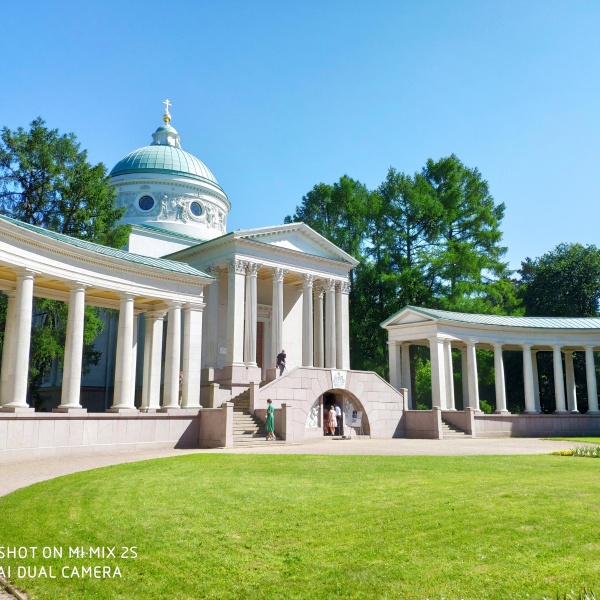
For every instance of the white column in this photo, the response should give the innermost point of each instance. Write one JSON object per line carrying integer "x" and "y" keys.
{"x": 6, "y": 382}
{"x": 152, "y": 360}
{"x": 330, "y": 335}
{"x": 536, "y": 381}
{"x": 559, "y": 386}
{"x": 528, "y": 379}
{"x": 338, "y": 329}
{"x": 124, "y": 356}
{"x": 406, "y": 380}
{"x": 277, "y": 312}
{"x": 192, "y": 355}
{"x": 20, "y": 341}
{"x": 307, "y": 320}
{"x": 438, "y": 377}
{"x": 172, "y": 357}
{"x": 235, "y": 312}
{"x": 499, "y": 379}
{"x": 472, "y": 375}
{"x": 464, "y": 371}
{"x": 212, "y": 320}
{"x": 71, "y": 381}
{"x": 342, "y": 320}
{"x": 394, "y": 363}
{"x": 318, "y": 327}
{"x": 134, "y": 353}
{"x": 590, "y": 373}
{"x": 571, "y": 388}
{"x": 251, "y": 319}
{"x": 450, "y": 401}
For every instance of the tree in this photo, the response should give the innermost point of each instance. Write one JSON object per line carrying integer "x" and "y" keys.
{"x": 46, "y": 180}
{"x": 466, "y": 252}
{"x": 564, "y": 282}
{"x": 430, "y": 239}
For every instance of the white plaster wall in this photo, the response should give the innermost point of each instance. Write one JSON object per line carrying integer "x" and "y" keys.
{"x": 292, "y": 325}
{"x": 149, "y": 244}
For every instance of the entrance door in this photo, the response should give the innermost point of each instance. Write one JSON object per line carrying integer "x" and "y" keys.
{"x": 260, "y": 333}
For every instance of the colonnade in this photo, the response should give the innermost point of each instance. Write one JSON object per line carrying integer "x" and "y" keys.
{"x": 442, "y": 378}
{"x": 325, "y": 317}
{"x": 17, "y": 342}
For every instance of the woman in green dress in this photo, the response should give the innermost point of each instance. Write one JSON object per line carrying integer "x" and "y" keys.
{"x": 270, "y": 421}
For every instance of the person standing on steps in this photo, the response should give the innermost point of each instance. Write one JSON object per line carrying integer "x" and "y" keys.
{"x": 270, "y": 420}
{"x": 281, "y": 362}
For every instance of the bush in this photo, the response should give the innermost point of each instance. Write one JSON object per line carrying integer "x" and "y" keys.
{"x": 486, "y": 407}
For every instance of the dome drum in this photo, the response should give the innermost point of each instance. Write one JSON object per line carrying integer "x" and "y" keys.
{"x": 164, "y": 186}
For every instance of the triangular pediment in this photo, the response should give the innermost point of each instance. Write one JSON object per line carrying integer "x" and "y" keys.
{"x": 407, "y": 316}
{"x": 299, "y": 238}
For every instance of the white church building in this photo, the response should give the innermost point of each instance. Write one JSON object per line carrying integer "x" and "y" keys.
{"x": 199, "y": 316}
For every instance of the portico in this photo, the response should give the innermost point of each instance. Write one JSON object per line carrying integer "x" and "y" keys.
{"x": 443, "y": 331}
{"x": 283, "y": 287}
{"x": 38, "y": 263}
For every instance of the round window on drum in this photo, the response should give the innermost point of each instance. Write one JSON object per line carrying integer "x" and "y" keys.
{"x": 146, "y": 203}
{"x": 196, "y": 209}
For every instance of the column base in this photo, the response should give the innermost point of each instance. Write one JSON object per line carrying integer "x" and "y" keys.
{"x": 17, "y": 409}
{"x": 125, "y": 410}
{"x": 502, "y": 412}
{"x": 71, "y": 410}
{"x": 561, "y": 412}
{"x": 574, "y": 412}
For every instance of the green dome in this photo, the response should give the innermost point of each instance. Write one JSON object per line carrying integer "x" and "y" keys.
{"x": 164, "y": 159}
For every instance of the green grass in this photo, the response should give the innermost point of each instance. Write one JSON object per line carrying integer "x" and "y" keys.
{"x": 589, "y": 440}
{"x": 239, "y": 526}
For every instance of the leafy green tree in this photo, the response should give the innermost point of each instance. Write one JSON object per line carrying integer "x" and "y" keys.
{"x": 46, "y": 180}
{"x": 564, "y": 282}
{"x": 465, "y": 252}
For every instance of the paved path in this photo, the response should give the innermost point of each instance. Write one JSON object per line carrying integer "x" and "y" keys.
{"x": 21, "y": 474}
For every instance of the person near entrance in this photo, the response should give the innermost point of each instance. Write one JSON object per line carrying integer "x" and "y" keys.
{"x": 339, "y": 430}
{"x": 281, "y": 362}
{"x": 332, "y": 421}
{"x": 270, "y": 420}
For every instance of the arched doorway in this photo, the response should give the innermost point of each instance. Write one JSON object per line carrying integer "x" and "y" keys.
{"x": 354, "y": 420}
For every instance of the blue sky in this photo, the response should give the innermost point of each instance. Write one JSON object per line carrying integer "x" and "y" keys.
{"x": 276, "y": 97}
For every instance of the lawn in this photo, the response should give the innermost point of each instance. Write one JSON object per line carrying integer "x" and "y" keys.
{"x": 587, "y": 440}
{"x": 240, "y": 526}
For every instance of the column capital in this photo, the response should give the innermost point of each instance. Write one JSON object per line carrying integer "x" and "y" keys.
{"x": 318, "y": 288}
{"x": 127, "y": 296}
{"x": 498, "y": 345}
{"x": 174, "y": 304}
{"x": 155, "y": 314}
{"x": 196, "y": 306}
{"x": 526, "y": 346}
{"x": 470, "y": 342}
{"x": 25, "y": 272}
{"x": 447, "y": 341}
{"x": 308, "y": 279}
{"x": 557, "y": 347}
{"x": 237, "y": 266}
{"x": 345, "y": 287}
{"x": 77, "y": 285}
{"x": 278, "y": 273}
{"x": 330, "y": 285}
{"x": 252, "y": 269}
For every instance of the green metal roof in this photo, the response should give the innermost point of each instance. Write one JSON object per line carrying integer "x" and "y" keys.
{"x": 157, "y": 263}
{"x": 501, "y": 321}
{"x": 164, "y": 159}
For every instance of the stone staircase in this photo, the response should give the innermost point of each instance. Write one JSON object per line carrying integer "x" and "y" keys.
{"x": 450, "y": 431}
{"x": 247, "y": 429}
